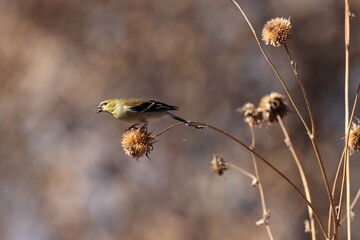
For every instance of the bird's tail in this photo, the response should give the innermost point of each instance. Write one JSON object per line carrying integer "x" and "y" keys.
{"x": 188, "y": 123}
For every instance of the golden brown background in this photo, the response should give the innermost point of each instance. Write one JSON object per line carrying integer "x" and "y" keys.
{"x": 63, "y": 174}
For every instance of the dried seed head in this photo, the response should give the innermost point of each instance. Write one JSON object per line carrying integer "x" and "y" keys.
{"x": 276, "y": 31}
{"x": 137, "y": 142}
{"x": 251, "y": 114}
{"x": 218, "y": 165}
{"x": 354, "y": 139}
{"x": 271, "y": 106}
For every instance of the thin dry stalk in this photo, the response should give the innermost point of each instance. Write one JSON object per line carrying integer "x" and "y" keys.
{"x": 273, "y": 168}
{"x": 356, "y": 198}
{"x": 326, "y": 181}
{"x": 347, "y": 159}
{"x": 342, "y": 189}
{"x": 294, "y": 67}
{"x": 273, "y": 68}
{"x": 262, "y": 159}
{"x": 312, "y": 137}
{"x": 240, "y": 170}
{"x": 337, "y": 174}
{"x": 167, "y": 129}
{"x": 346, "y": 149}
{"x": 342, "y": 159}
{"x": 289, "y": 144}
{"x": 261, "y": 190}
{"x": 352, "y": 206}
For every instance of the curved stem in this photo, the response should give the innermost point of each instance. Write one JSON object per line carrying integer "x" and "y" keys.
{"x": 262, "y": 159}
{"x": 167, "y": 129}
{"x": 273, "y": 68}
{"x": 312, "y": 138}
{"x": 273, "y": 168}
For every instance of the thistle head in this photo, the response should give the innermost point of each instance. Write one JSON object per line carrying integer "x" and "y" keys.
{"x": 137, "y": 142}
{"x": 273, "y": 105}
{"x": 252, "y": 115}
{"x": 276, "y": 31}
{"x": 354, "y": 139}
{"x": 218, "y": 165}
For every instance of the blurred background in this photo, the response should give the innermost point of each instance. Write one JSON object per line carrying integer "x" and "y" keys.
{"x": 63, "y": 174}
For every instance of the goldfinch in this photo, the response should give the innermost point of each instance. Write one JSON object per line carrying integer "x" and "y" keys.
{"x": 139, "y": 111}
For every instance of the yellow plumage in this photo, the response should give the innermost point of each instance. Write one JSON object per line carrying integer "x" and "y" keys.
{"x": 139, "y": 111}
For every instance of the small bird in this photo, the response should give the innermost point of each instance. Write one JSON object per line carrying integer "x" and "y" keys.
{"x": 139, "y": 111}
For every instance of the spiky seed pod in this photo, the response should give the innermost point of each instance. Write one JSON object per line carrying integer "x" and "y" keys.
{"x": 354, "y": 139}
{"x": 271, "y": 106}
{"x": 251, "y": 114}
{"x": 137, "y": 142}
{"x": 276, "y": 31}
{"x": 218, "y": 165}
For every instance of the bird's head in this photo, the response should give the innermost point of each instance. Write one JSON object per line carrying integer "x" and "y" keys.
{"x": 108, "y": 106}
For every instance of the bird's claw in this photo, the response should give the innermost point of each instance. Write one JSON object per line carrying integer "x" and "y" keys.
{"x": 132, "y": 127}
{"x": 191, "y": 124}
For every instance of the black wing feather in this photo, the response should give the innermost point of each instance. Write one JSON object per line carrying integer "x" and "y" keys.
{"x": 153, "y": 106}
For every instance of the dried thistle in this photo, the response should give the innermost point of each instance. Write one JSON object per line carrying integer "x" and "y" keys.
{"x": 354, "y": 139}
{"x": 218, "y": 165}
{"x": 252, "y": 115}
{"x": 271, "y": 106}
{"x": 276, "y": 31}
{"x": 137, "y": 142}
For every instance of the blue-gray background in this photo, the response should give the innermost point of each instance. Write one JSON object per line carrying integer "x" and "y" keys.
{"x": 63, "y": 174}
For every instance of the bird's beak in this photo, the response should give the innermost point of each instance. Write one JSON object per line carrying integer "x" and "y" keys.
{"x": 99, "y": 109}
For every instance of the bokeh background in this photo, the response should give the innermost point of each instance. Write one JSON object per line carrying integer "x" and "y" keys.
{"x": 63, "y": 174}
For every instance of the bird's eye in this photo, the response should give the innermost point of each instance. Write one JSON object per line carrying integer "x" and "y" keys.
{"x": 105, "y": 103}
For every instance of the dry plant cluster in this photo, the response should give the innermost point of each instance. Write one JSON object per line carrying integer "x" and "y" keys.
{"x": 272, "y": 108}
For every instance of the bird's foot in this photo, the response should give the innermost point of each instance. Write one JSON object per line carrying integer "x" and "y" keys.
{"x": 132, "y": 127}
{"x": 143, "y": 127}
{"x": 191, "y": 124}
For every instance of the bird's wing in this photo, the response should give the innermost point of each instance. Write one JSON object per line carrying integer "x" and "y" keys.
{"x": 151, "y": 106}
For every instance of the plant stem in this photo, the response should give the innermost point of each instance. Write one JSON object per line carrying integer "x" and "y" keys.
{"x": 347, "y": 159}
{"x": 273, "y": 68}
{"x": 261, "y": 190}
{"x": 289, "y": 144}
{"x": 311, "y": 136}
{"x": 337, "y": 174}
{"x": 356, "y": 198}
{"x": 239, "y": 169}
{"x": 262, "y": 159}
{"x": 346, "y": 148}
{"x": 167, "y": 129}
{"x": 294, "y": 67}
{"x": 352, "y": 206}
{"x": 273, "y": 168}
